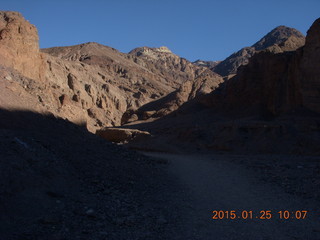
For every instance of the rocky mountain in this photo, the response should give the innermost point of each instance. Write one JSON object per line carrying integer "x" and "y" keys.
{"x": 191, "y": 80}
{"x": 280, "y": 39}
{"x": 97, "y": 86}
{"x": 271, "y": 105}
{"x": 208, "y": 64}
{"x": 205, "y": 83}
{"x": 277, "y": 81}
{"x": 102, "y": 81}
{"x": 288, "y": 39}
{"x": 60, "y": 181}
{"x": 90, "y": 83}
{"x": 163, "y": 62}
{"x": 113, "y": 83}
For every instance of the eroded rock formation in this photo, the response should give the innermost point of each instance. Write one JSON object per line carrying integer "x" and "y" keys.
{"x": 270, "y": 106}
{"x": 89, "y": 83}
{"x": 19, "y": 48}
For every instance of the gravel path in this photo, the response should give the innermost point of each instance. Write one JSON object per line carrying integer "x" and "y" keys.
{"x": 218, "y": 182}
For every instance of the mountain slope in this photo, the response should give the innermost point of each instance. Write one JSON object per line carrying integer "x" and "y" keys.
{"x": 101, "y": 81}
{"x": 270, "y": 106}
{"x": 89, "y": 83}
{"x": 125, "y": 81}
{"x": 283, "y": 38}
{"x": 205, "y": 83}
{"x": 163, "y": 62}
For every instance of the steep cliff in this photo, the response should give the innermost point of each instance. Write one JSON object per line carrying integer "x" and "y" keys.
{"x": 19, "y": 47}
{"x": 310, "y": 69}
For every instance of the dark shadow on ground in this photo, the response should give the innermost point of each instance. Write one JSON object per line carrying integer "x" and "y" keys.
{"x": 59, "y": 181}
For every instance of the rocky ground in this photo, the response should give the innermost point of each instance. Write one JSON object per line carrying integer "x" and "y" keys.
{"x": 240, "y": 182}
{"x": 61, "y": 182}
{"x": 296, "y": 175}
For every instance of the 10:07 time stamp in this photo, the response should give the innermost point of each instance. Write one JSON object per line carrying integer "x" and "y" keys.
{"x": 263, "y": 214}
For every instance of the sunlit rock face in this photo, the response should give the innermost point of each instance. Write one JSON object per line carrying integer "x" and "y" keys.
{"x": 19, "y": 47}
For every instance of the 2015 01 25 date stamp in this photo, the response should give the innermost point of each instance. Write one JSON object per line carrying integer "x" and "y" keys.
{"x": 262, "y": 214}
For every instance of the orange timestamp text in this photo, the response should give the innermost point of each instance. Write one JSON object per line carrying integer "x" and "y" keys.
{"x": 262, "y": 214}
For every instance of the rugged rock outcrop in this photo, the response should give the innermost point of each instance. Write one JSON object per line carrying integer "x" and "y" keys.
{"x": 161, "y": 61}
{"x": 88, "y": 83}
{"x": 276, "y": 82}
{"x": 102, "y": 81}
{"x": 122, "y": 135}
{"x": 19, "y": 47}
{"x": 261, "y": 87}
{"x": 282, "y": 37}
{"x": 107, "y": 83}
{"x": 205, "y": 83}
{"x": 287, "y": 38}
{"x": 270, "y": 106}
{"x": 310, "y": 69}
{"x": 117, "y": 68}
{"x": 58, "y": 181}
{"x": 208, "y": 64}
{"x": 97, "y": 86}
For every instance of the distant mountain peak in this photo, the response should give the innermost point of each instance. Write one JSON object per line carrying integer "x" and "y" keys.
{"x": 163, "y": 49}
{"x": 282, "y": 38}
{"x": 203, "y": 63}
{"x": 149, "y": 50}
{"x": 277, "y": 36}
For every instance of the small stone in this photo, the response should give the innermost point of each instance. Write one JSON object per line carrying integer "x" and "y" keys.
{"x": 90, "y": 213}
{"x": 8, "y": 77}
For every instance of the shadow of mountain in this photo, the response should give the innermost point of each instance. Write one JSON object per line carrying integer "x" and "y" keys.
{"x": 195, "y": 126}
{"x": 159, "y": 103}
{"x": 59, "y": 181}
{"x": 164, "y": 104}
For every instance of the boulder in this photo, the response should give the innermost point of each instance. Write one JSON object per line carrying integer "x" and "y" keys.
{"x": 121, "y": 135}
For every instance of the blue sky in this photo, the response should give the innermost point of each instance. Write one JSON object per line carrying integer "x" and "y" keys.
{"x": 193, "y": 29}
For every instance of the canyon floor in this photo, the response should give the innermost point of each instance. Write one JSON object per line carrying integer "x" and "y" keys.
{"x": 61, "y": 182}
{"x": 252, "y": 183}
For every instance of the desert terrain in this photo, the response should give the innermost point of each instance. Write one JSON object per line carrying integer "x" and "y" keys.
{"x": 100, "y": 144}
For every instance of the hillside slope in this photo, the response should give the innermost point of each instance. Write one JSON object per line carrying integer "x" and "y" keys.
{"x": 90, "y": 83}
{"x": 282, "y": 37}
{"x": 270, "y": 106}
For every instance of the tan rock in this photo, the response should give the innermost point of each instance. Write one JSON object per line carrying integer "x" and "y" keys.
{"x": 19, "y": 47}
{"x": 205, "y": 83}
{"x": 119, "y": 135}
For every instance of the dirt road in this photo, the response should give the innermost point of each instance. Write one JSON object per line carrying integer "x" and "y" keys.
{"x": 219, "y": 182}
